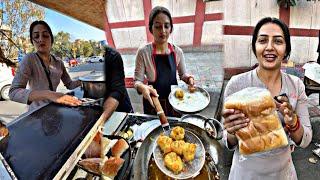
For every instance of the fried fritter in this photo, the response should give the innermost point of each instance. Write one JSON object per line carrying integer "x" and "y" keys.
{"x": 177, "y": 133}
{"x": 173, "y": 162}
{"x": 164, "y": 142}
{"x": 179, "y": 93}
{"x": 189, "y": 151}
{"x": 177, "y": 146}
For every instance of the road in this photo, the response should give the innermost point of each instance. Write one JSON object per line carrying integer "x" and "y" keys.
{"x": 10, "y": 110}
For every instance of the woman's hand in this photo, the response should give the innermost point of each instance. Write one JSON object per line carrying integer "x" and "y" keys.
{"x": 65, "y": 99}
{"x": 285, "y": 108}
{"x": 290, "y": 118}
{"x": 147, "y": 92}
{"x": 191, "y": 81}
{"x": 191, "y": 87}
{"x": 234, "y": 120}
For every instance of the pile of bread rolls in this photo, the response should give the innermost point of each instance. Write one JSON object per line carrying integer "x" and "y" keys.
{"x": 264, "y": 131}
{"x": 96, "y": 160}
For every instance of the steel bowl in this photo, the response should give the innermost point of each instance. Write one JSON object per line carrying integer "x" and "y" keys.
{"x": 93, "y": 85}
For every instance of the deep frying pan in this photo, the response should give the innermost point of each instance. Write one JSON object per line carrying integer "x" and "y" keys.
{"x": 193, "y": 168}
{"x": 144, "y": 154}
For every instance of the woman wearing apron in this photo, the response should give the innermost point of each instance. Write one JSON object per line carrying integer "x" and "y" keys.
{"x": 159, "y": 62}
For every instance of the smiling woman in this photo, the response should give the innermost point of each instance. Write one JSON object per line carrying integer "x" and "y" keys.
{"x": 271, "y": 45}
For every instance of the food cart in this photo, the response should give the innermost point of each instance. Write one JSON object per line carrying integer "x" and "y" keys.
{"x": 47, "y": 143}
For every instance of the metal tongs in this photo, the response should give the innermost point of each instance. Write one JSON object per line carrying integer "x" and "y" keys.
{"x": 91, "y": 102}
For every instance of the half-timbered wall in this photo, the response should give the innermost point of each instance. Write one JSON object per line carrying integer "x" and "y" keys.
{"x": 240, "y": 17}
{"x": 196, "y": 23}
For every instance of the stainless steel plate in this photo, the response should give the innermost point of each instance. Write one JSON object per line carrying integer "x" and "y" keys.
{"x": 191, "y": 102}
{"x": 192, "y": 168}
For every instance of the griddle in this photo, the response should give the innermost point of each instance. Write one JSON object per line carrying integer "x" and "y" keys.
{"x": 40, "y": 143}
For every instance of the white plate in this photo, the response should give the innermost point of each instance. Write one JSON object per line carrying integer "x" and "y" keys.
{"x": 191, "y": 102}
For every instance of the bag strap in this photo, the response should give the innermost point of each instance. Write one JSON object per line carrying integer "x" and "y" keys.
{"x": 47, "y": 72}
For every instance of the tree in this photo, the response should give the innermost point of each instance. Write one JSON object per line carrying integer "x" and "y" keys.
{"x": 97, "y": 50}
{"x": 15, "y": 19}
{"x": 62, "y": 45}
{"x": 87, "y": 49}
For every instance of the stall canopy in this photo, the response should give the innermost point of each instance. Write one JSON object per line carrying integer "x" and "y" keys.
{"x": 91, "y": 12}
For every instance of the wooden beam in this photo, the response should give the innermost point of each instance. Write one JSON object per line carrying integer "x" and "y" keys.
{"x": 108, "y": 32}
{"x": 147, "y": 6}
{"x": 198, "y": 22}
{"x": 248, "y": 30}
{"x": 237, "y": 30}
{"x": 284, "y": 15}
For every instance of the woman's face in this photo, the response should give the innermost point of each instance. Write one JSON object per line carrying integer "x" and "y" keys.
{"x": 161, "y": 28}
{"x": 41, "y": 38}
{"x": 270, "y": 46}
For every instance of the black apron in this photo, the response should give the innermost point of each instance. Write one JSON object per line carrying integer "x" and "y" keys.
{"x": 166, "y": 75}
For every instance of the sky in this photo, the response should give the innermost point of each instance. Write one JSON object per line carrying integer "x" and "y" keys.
{"x": 77, "y": 29}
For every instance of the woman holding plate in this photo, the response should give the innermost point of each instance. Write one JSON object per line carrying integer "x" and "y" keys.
{"x": 159, "y": 61}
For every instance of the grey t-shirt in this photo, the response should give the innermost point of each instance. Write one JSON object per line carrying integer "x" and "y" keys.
{"x": 276, "y": 164}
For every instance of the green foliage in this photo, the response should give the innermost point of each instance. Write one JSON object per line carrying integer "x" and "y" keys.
{"x": 62, "y": 45}
{"x": 87, "y": 49}
{"x": 16, "y": 16}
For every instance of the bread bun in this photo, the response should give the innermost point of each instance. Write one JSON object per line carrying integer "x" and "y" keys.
{"x": 264, "y": 131}
{"x": 119, "y": 148}
{"x": 93, "y": 150}
{"x": 91, "y": 164}
{"x": 111, "y": 167}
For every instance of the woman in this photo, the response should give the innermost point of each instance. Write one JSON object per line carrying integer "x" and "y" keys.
{"x": 271, "y": 45}
{"x": 159, "y": 62}
{"x": 43, "y": 72}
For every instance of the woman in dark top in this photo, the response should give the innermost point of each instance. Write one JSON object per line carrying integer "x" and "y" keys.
{"x": 117, "y": 98}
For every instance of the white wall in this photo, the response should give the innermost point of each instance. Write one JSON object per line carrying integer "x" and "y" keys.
{"x": 248, "y": 12}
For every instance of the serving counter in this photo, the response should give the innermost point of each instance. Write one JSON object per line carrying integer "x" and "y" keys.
{"x": 48, "y": 142}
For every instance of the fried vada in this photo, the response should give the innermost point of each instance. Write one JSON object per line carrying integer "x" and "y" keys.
{"x": 177, "y": 133}
{"x": 177, "y": 146}
{"x": 164, "y": 142}
{"x": 189, "y": 151}
{"x": 173, "y": 162}
{"x": 179, "y": 93}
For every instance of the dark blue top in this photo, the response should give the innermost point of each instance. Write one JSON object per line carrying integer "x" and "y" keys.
{"x": 114, "y": 78}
